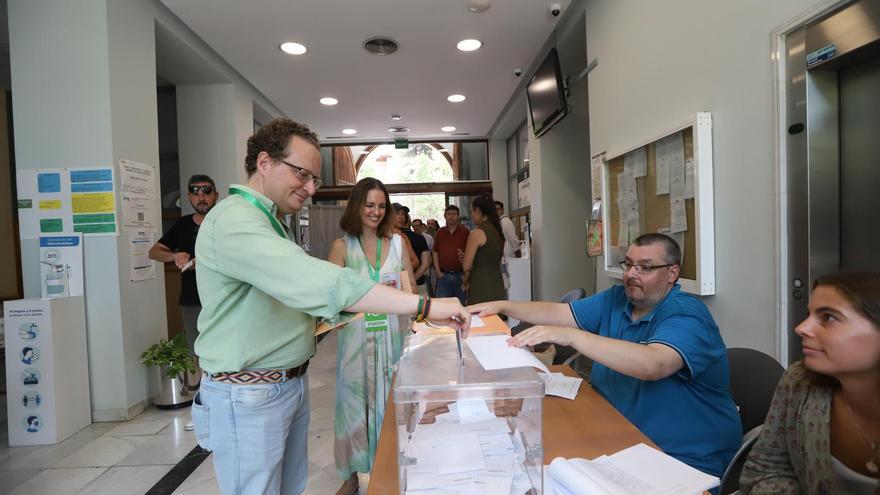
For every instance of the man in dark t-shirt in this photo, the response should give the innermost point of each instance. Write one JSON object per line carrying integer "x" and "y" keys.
{"x": 179, "y": 245}
{"x": 418, "y": 243}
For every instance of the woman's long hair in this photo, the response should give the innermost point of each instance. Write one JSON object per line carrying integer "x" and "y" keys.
{"x": 351, "y": 222}
{"x": 486, "y": 206}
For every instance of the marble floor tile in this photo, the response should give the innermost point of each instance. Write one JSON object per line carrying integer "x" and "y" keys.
{"x": 41, "y": 456}
{"x": 320, "y": 397}
{"x": 177, "y": 426}
{"x": 321, "y": 417}
{"x": 140, "y": 426}
{"x": 162, "y": 449}
{"x": 102, "y": 452}
{"x": 126, "y": 479}
{"x": 321, "y": 448}
{"x": 96, "y": 430}
{"x": 58, "y": 481}
{"x": 202, "y": 481}
{"x": 11, "y": 479}
{"x": 324, "y": 482}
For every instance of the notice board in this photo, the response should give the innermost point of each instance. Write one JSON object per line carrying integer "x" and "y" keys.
{"x": 664, "y": 184}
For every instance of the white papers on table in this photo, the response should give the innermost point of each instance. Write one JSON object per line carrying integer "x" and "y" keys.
{"x": 494, "y": 354}
{"x": 477, "y": 322}
{"x": 638, "y": 470}
{"x": 477, "y": 458}
{"x": 560, "y": 385}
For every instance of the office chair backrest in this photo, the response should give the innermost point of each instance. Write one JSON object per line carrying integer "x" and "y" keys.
{"x": 753, "y": 379}
{"x": 573, "y": 295}
{"x": 730, "y": 480}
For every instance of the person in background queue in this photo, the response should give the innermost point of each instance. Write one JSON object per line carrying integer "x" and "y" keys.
{"x": 449, "y": 245}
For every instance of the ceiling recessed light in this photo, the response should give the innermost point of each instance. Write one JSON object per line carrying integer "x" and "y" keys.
{"x": 447, "y": 128}
{"x": 329, "y": 101}
{"x": 349, "y": 132}
{"x": 293, "y": 48}
{"x": 398, "y": 129}
{"x": 395, "y": 116}
{"x": 469, "y": 45}
{"x": 477, "y": 6}
{"x": 456, "y": 98}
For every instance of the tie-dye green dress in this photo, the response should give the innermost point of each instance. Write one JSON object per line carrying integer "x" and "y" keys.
{"x": 364, "y": 365}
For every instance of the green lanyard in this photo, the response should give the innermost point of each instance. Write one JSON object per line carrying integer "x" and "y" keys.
{"x": 374, "y": 273}
{"x": 254, "y": 201}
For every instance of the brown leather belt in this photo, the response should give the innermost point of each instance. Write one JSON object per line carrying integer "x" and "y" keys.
{"x": 259, "y": 377}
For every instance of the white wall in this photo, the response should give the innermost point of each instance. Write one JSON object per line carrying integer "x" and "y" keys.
{"x": 662, "y": 61}
{"x": 213, "y": 124}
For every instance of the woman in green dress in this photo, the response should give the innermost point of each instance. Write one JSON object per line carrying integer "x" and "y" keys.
{"x": 482, "y": 279}
{"x": 369, "y": 347}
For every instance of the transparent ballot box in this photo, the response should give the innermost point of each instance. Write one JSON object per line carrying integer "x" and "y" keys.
{"x": 462, "y": 429}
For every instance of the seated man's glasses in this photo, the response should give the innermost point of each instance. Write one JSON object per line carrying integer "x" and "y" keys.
{"x": 304, "y": 175}
{"x": 640, "y": 269}
{"x": 204, "y": 189}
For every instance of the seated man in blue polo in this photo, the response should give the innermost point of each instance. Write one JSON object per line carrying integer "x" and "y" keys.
{"x": 658, "y": 356}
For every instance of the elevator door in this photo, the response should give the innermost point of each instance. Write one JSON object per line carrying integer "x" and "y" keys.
{"x": 860, "y": 167}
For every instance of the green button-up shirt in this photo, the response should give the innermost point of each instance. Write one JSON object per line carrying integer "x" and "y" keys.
{"x": 260, "y": 292}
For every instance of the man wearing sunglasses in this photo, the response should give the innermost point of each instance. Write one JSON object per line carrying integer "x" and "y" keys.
{"x": 658, "y": 356}
{"x": 179, "y": 245}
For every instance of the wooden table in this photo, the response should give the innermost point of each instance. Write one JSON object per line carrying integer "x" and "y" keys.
{"x": 586, "y": 427}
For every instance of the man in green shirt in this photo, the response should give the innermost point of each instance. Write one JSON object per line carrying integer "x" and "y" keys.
{"x": 261, "y": 294}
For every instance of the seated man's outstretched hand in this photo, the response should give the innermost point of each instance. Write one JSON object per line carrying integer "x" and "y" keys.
{"x": 539, "y": 334}
{"x": 487, "y": 308}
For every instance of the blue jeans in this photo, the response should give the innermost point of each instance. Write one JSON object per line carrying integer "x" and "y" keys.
{"x": 449, "y": 285}
{"x": 258, "y": 434}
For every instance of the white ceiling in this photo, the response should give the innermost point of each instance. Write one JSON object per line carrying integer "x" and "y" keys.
{"x": 414, "y": 82}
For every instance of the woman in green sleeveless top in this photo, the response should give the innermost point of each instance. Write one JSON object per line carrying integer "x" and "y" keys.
{"x": 482, "y": 255}
{"x": 367, "y": 348}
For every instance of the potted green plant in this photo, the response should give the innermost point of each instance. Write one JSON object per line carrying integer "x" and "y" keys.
{"x": 175, "y": 362}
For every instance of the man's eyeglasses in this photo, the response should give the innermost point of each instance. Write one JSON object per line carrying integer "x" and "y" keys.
{"x": 640, "y": 269}
{"x": 204, "y": 189}
{"x": 304, "y": 175}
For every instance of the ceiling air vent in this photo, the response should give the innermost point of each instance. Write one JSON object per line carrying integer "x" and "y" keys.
{"x": 398, "y": 129}
{"x": 380, "y": 45}
{"x": 461, "y": 134}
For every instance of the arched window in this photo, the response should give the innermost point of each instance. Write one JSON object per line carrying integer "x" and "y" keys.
{"x": 421, "y": 162}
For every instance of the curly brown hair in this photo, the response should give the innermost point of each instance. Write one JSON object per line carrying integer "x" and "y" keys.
{"x": 273, "y": 138}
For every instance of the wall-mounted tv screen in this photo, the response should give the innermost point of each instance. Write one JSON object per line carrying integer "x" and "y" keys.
{"x": 546, "y": 94}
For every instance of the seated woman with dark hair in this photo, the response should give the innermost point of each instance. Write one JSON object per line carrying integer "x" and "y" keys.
{"x": 822, "y": 433}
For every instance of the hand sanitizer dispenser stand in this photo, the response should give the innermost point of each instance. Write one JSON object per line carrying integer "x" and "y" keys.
{"x": 47, "y": 371}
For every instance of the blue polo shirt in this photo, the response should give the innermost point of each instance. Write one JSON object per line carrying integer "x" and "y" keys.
{"x": 689, "y": 414}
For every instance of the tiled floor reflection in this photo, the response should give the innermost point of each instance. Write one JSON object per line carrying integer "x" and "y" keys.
{"x": 130, "y": 457}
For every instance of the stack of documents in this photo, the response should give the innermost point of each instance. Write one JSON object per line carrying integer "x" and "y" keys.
{"x": 560, "y": 385}
{"x": 467, "y": 451}
{"x": 638, "y": 470}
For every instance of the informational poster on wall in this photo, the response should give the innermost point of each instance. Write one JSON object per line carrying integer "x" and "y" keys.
{"x": 43, "y": 202}
{"x": 139, "y": 244}
{"x": 64, "y": 200}
{"x": 137, "y": 193}
{"x": 28, "y": 368}
{"x": 61, "y": 265}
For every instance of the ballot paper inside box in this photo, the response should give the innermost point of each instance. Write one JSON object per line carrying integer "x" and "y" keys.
{"x": 463, "y": 429}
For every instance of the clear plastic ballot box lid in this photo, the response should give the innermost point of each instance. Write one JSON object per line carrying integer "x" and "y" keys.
{"x": 462, "y": 427}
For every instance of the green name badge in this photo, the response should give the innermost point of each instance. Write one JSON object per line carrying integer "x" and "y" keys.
{"x": 376, "y": 322}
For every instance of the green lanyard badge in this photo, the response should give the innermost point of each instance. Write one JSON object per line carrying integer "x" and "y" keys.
{"x": 254, "y": 201}
{"x": 375, "y": 322}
